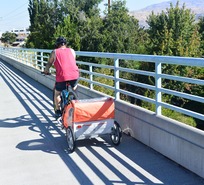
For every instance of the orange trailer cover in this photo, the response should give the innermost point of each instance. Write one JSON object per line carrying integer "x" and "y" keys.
{"x": 88, "y": 110}
{"x": 93, "y": 109}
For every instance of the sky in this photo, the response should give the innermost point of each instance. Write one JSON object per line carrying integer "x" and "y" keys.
{"x": 14, "y": 13}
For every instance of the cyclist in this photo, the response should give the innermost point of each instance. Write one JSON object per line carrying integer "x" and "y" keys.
{"x": 64, "y": 60}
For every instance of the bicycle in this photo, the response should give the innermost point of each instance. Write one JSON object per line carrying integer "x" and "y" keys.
{"x": 66, "y": 96}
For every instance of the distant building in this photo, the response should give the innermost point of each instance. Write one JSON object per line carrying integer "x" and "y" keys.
{"x": 20, "y": 31}
{"x": 22, "y": 34}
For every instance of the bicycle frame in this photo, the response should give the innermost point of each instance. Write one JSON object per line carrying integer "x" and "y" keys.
{"x": 66, "y": 96}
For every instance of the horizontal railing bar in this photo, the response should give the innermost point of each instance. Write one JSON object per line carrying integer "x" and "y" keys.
{"x": 137, "y": 96}
{"x": 183, "y": 95}
{"x": 97, "y": 83}
{"x": 183, "y": 111}
{"x": 97, "y": 74}
{"x": 183, "y": 79}
{"x": 146, "y": 86}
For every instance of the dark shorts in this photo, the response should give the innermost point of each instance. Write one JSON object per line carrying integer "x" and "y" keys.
{"x": 60, "y": 86}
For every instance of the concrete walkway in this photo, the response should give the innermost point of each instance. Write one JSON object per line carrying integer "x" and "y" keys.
{"x": 34, "y": 150}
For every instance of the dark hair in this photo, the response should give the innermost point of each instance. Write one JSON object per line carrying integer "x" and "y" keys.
{"x": 60, "y": 41}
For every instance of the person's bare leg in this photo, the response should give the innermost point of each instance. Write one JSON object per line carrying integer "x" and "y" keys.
{"x": 57, "y": 99}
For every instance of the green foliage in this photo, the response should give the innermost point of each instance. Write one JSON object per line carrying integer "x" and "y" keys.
{"x": 91, "y": 36}
{"x": 174, "y": 33}
{"x": 44, "y": 18}
{"x": 103, "y": 80}
{"x": 8, "y": 37}
{"x": 69, "y": 31}
{"x": 121, "y": 32}
{"x": 201, "y": 31}
{"x": 179, "y": 117}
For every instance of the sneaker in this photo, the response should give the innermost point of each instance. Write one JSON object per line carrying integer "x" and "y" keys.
{"x": 58, "y": 114}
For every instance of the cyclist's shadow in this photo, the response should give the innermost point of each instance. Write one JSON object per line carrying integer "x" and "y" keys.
{"x": 24, "y": 120}
{"x": 37, "y": 144}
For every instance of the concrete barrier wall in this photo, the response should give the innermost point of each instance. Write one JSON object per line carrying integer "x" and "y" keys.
{"x": 177, "y": 141}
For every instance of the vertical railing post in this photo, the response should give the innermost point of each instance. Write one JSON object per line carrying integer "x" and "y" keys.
{"x": 26, "y": 57}
{"x": 116, "y": 75}
{"x": 158, "y": 82}
{"x": 36, "y": 59}
{"x": 91, "y": 77}
{"x": 31, "y": 58}
{"x": 16, "y": 54}
{"x": 23, "y": 57}
{"x": 42, "y": 62}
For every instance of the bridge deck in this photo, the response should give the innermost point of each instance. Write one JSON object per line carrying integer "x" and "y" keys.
{"x": 33, "y": 147}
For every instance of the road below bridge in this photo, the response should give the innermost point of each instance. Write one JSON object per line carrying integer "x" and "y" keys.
{"x": 34, "y": 149}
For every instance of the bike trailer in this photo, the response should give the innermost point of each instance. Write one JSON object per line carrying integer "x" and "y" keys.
{"x": 90, "y": 118}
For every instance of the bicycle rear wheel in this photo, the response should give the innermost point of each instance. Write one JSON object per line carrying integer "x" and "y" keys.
{"x": 72, "y": 96}
{"x": 66, "y": 97}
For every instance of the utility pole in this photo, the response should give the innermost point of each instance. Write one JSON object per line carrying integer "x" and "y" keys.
{"x": 109, "y": 3}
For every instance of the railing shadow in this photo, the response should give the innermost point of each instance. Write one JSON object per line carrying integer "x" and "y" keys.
{"x": 129, "y": 163}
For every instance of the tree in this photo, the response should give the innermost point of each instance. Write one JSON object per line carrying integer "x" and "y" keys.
{"x": 8, "y": 37}
{"x": 121, "y": 33}
{"x": 201, "y": 31}
{"x": 44, "y": 18}
{"x": 120, "y": 30}
{"x": 76, "y": 25}
{"x": 70, "y": 32}
{"x": 51, "y": 18}
{"x": 174, "y": 33}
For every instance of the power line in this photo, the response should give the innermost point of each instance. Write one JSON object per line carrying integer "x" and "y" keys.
{"x": 14, "y": 16}
{"x": 15, "y": 10}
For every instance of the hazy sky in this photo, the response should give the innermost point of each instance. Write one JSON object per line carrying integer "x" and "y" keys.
{"x": 14, "y": 13}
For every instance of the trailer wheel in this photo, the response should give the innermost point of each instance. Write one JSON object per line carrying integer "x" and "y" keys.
{"x": 116, "y": 134}
{"x": 70, "y": 139}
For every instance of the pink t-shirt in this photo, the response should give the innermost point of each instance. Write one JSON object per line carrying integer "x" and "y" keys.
{"x": 65, "y": 65}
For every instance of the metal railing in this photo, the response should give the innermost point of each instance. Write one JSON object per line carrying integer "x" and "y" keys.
{"x": 111, "y": 72}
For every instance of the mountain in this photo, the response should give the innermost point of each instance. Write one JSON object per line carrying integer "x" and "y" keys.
{"x": 196, "y": 6}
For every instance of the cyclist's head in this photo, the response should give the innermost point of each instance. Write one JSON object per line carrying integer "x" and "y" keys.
{"x": 60, "y": 41}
